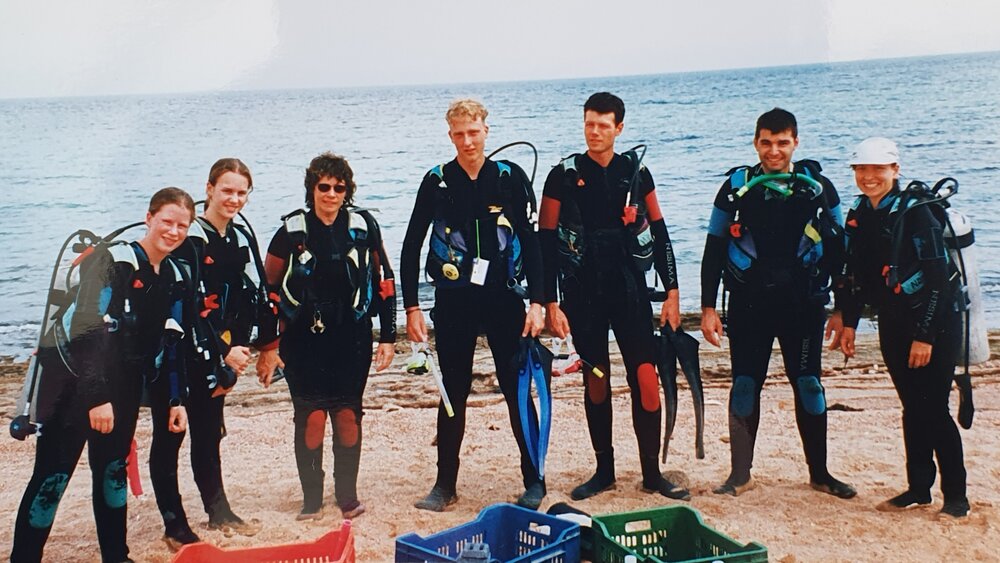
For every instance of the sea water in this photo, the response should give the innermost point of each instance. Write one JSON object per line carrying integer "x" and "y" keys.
{"x": 93, "y": 162}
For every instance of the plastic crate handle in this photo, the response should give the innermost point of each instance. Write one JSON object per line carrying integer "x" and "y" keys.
{"x": 634, "y": 526}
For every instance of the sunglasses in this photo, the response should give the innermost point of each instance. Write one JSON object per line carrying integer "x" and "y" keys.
{"x": 337, "y": 188}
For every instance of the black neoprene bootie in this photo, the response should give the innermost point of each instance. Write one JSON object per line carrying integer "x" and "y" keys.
{"x": 955, "y": 508}
{"x": 654, "y": 482}
{"x": 904, "y": 501}
{"x": 437, "y": 500}
{"x": 603, "y": 479}
{"x": 178, "y": 534}
{"x": 532, "y": 496}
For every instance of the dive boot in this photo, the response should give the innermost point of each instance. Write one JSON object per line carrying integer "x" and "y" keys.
{"x": 904, "y": 501}
{"x": 532, "y": 496}
{"x": 437, "y": 500}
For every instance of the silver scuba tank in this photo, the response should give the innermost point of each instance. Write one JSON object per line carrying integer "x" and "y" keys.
{"x": 960, "y": 239}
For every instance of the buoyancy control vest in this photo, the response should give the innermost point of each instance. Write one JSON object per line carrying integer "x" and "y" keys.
{"x": 116, "y": 310}
{"x": 821, "y": 235}
{"x": 53, "y": 361}
{"x": 454, "y": 248}
{"x": 573, "y": 239}
{"x": 365, "y": 257}
{"x": 236, "y": 312}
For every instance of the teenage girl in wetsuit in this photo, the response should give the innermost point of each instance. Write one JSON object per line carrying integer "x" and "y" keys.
{"x": 222, "y": 256}
{"x": 129, "y": 310}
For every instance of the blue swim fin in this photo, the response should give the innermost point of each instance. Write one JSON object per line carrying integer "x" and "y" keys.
{"x": 534, "y": 366}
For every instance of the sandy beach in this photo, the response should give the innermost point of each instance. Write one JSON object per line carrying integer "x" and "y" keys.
{"x": 398, "y": 467}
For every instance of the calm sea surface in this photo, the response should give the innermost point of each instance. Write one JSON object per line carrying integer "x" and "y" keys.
{"x": 94, "y": 162}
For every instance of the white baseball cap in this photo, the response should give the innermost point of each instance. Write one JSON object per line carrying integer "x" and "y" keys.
{"x": 875, "y": 150}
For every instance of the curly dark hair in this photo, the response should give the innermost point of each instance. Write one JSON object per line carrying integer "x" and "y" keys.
{"x": 329, "y": 164}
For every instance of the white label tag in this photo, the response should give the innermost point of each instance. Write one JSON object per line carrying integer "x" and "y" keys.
{"x": 479, "y": 268}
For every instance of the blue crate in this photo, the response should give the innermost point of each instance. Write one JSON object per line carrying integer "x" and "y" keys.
{"x": 514, "y": 534}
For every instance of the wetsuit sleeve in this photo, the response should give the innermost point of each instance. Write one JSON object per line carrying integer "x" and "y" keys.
{"x": 548, "y": 220}
{"x": 834, "y": 241}
{"x": 275, "y": 263}
{"x": 267, "y": 311}
{"x": 663, "y": 251}
{"x": 926, "y": 235}
{"x": 713, "y": 259}
{"x": 91, "y": 335}
{"x": 531, "y": 253}
{"x": 846, "y": 299}
{"x": 384, "y": 293}
{"x": 416, "y": 232}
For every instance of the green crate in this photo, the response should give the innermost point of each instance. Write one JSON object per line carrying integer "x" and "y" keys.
{"x": 667, "y": 534}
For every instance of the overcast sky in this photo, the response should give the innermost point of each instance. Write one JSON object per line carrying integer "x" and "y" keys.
{"x": 64, "y": 48}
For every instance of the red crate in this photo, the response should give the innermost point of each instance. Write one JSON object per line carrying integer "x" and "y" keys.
{"x": 336, "y": 546}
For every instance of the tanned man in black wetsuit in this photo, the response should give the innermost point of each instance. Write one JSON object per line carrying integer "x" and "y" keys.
{"x": 774, "y": 238}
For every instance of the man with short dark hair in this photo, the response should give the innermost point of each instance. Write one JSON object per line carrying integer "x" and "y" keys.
{"x": 601, "y": 228}
{"x": 774, "y": 238}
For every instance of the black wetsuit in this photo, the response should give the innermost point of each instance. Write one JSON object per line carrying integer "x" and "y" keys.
{"x": 776, "y": 297}
{"x": 462, "y": 313}
{"x": 930, "y": 315}
{"x": 327, "y": 370}
{"x": 227, "y": 313}
{"x": 117, "y": 331}
{"x": 608, "y": 290}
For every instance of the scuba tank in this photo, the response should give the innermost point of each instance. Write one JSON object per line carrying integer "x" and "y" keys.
{"x": 960, "y": 240}
{"x": 38, "y": 398}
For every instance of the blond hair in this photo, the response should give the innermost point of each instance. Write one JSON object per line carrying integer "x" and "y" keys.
{"x": 468, "y": 108}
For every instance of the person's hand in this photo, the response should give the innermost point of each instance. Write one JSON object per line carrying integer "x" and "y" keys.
{"x": 534, "y": 321}
{"x": 177, "y": 420}
{"x": 102, "y": 418}
{"x": 670, "y": 311}
{"x": 556, "y": 321}
{"x": 238, "y": 358}
{"x": 267, "y": 362}
{"x": 834, "y": 330}
{"x": 384, "y": 354}
{"x": 847, "y": 336}
{"x": 711, "y": 326}
{"x": 416, "y": 330}
{"x": 920, "y": 354}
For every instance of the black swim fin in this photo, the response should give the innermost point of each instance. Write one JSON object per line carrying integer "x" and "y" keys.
{"x": 966, "y": 409}
{"x": 686, "y": 347}
{"x": 666, "y": 365}
{"x": 680, "y": 347}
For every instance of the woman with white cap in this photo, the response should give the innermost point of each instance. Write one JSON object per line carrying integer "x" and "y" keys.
{"x": 914, "y": 289}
